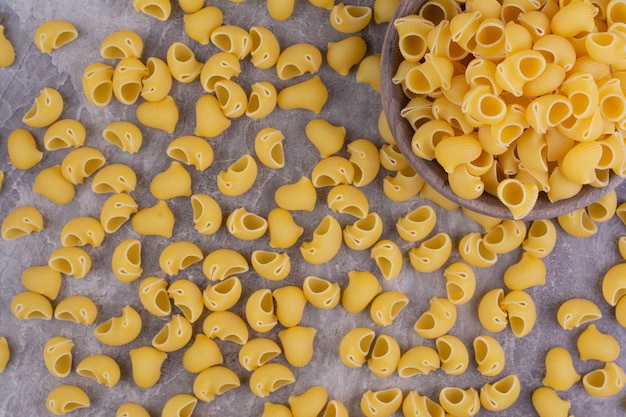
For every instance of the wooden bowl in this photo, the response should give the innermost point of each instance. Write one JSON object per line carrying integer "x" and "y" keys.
{"x": 394, "y": 100}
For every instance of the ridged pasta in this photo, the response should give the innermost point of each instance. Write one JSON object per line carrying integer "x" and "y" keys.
{"x": 245, "y": 225}
{"x": 350, "y": 18}
{"x": 311, "y": 95}
{"x": 57, "y": 356}
{"x": 578, "y": 223}
{"x": 101, "y": 368}
{"x": 276, "y": 410}
{"x": 547, "y": 403}
{"x": 174, "y": 182}
{"x": 180, "y": 405}
{"x": 431, "y": 254}
{"x": 346, "y": 53}
{"x": 332, "y": 171}
{"x": 297, "y": 343}
{"x": 131, "y": 410}
{"x": 268, "y": 147}
{"x": 392, "y": 158}
{"x": 199, "y": 24}
{"x": 490, "y": 314}
{"x": 596, "y": 345}
{"x": 120, "y": 330}
{"x": 77, "y": 309}
{"x": 417, "y": 224}
{"x": 381, "y": 403}
{"x": 53, "y": 34}
{"x": 326, "y": 137}
{"x": 348, "y": 199}
{"x": 213, "y": 381}
{"x": 43, "y": 280}
{"x": 265, "y": 47}
{"x": 71, "y": 261}
{"x": 121, "y": 44}
{"x": 541, "y": 238}
{"x": 223, "y": 263}
{"x": 114, "y": 178}
{"x": 124, "y": 135}
{"x": 560, "y": 371}
{"x": 453, "y": 354}
{"x": 157, "y": 83}
{"x": 369, "y": 71}
{"x": 298, "y": 59}
{"x": 290, "y": 303}
{"x": 325, "y": 242}
{"x": 260, "y": 309}
{"x": 283, "y": 230}
{"x": 191, "y": 150}
{"x": 22, "y": 221}
{"x": 418, "y": 360}
{"x": 365, "y": 159}
{"x": 262, "y": 100}
{"x": 161, "y": 114}
{"x": 501, "y": 394}
{"x": 386, "y": 307}
{"x": 527, "y": 272}
{"x": 239, "y": 177}
{"x": 8, "y": 52}
{"x": 460, "y": 282}
{"x": 363, "y": 233}
{"x": 460, "y": 402}
{"x": 362, "y": 288}
{"x": 4, "y": 353}
{"x": 575, "y": 312}
{"x": 232, "y": 39}
{"x": 272, "y": 266}
{"x": 22, "y": 149}
{"x": 127, "y": 79}
{"x": 158, "y": 9}
{"x": 415, "y": 404}
{"x": 223, "y": 295}
{"x": 153, "y": 296}
{"x": 29, "y": 305}
{"x": 231, "y": 98}
{"x": 300, "y": 195}
{"x": 207, "y": 214}
{"x": 605, "y": 382}
{"x": 157, "y": 220}
{"x": 219, "y": 66}
{"x": 81, "y": 163}
{"x": 65, "y": 398}
{"x": 489, "y": 355}
{"x": 227, "y": 326}
{"x": 174, "y": 335}
{"x": 388, "y": 258}
{"x": 280, "y": 10}
{"x": 384, "y": 357}
{"x": 178, "y": 256}
{"x": 355, "y": 346}
{"x": 188, "y": 298}
{"x": 82, "y": 231}
{"x": 521, "y": 312}
{"x": 257, "y": 352}
{"x": 46, "y": 109}
{"x": 146, "y": 363}
{"x": 321, "y": 293}
{"x": 269, "y": 378}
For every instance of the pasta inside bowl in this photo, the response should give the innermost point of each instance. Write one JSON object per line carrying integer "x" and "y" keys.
{"x": 480, "y": 106}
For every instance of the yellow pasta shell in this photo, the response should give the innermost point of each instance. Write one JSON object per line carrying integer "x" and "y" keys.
{"x": 22, "y": 149}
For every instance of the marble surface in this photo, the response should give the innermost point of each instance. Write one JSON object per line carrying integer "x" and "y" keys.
{"x": 575, "y": 268}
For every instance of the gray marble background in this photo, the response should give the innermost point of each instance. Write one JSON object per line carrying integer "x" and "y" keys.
{"x": 575, "y": 268}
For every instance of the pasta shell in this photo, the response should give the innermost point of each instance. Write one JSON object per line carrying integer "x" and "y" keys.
{"x": 290, "y": 303}
{"x": 269, "y": 378}
{"x": 174, "y": 335}
{"x": 321, "y": 293}
{"x": 162, "y": 114}
{"x": 188, "y": 298}
{"x": 43, "y": 280}
{"x": 260, "y": 311}
{"x": 418, "y": 360}
{"x": 300, "y": 195}
{"x": 297, "y": 342}
{"x": 175, "y": 181}
{"x": 124, "y": 135}
{"x": 226, "y": 325}
{"x": 265, "y": 48}
{"x": 77, "y": 309}
{"x": 116, "y": 211}
{"x": 326, "y": 137}
{"x": 547, "y": 403}
{"x": 53, "y": 34}
{"x": 4, "y": 353}
{"x": 8, "y": 52}
{"x": 101, "y": 368}
{"x": 178, "y": 256}
{"x": 207, "y": 214}
{"x": 344, "y": 54}
{"x": 560, "y": 371}
{"x": 593, "y": 344}
{"x": 489, "y": 355}
{"x": 180, "y": 405}
{"x": 66, "y": 398}
{"x": 153, "y": 296}
{"x": 146, "y": 362}
{"x": 577, "y": 311}
{"x": 388, "y": 258}
{"x": 213, "y": 381}
{"x": 355, "y": 346}
{"x": 348, "y": 199}
{"x": 362, "y": 288}
{"x": 51, "y": 184}
{"x": 415, "y": 405}
{"x": 283, "y": 230}
{"x": 120, "y": 330}
{"x": 22, "y": 221}
{"x": 363, "y": 233}
{"x": 257, "y": 352}
{"x": 385, "y": 356}
{"x": 223, "y": 295}
{"x": 268, "y": 146}
{"x": 605, "y": 382}
{"x": 200, "y": 23}
{"x": 31, "y": 305}
{"x": 453, "y": 354}
{"x": 22, "y": 149}
{"x": 314, "y": 90}
{"x": 384, "y": 402}
{"x": 501, "y": 394}
{"x": 157, "y": 220}
{"x": 57, "y": 355}
{"x": 223, "y": 263}
{"x": 121, "y": 44}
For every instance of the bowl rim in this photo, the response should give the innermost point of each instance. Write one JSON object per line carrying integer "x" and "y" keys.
{"x": 393, "y": 97}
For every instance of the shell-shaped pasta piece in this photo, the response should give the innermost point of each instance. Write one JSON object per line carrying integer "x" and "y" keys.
{"x": 246, "y": 225}
{"x": 369, "y": 70}
{"x": 518, "y": 197}
{"x": 290, "y": 303}
{"x": 8, "y": 52}
{"x": 346, "y": 53}
{"x": 121, "y": 44}
{"x": 202, "y": 354}
{"x": 412, "y": 34}
{"x": 81, "y": 163}
{"x": 51, "y": 184}
{"x": 614, "y": 284}
{"x": 232, "y": 39}
{"x": 605, "y": 382}
{"x": 98, "y": 83}
{"x": 547, "y": 403}
{"x": 501, "y": 394}
{"x": 4, "y": 353}
{"x": 199, "y": 24}
{"x": 188, "y": 298}
{"x": 175, "y": 181}
{"x": 388, "y": 258}
{"x": 268, "y": 147}
{"x": 43, "y": 280}
{"x": 157, "y": 83}
{"x": 298, "y": 59}
{"x": 297, "y": 343}
{"x": 418, "y": 360}
{"x": 415, "y": 404}
{"x": 239, "y": 177}
{"x": 191, "y": 150}
{"x": 146, "y": 362}
{"x": 431, "y": 254}
{"x": 120, "y": 330}
{"x": 262, "y": 101}
{"x": 596, "y": 345}
{"x": 433, "y": 195}
{"x": 345, "y": 198}
{"x": 460, "y": 402}
{"x": 265, "y": 47}
{"x": 417, "y": 224}
{"x": 311, "y": 95}
{"x": 174, "y": 335}
{"x": 219, "y": 66}
{"x": 541, "y": 238}
{"x": 350, "y": 18}
{"x": 178, "y": 256}
{"x": 437, "y": 320}
{"x": 527, "y": 272}
{"x": 310, "y": 403}
{"x": 114, "y": 178}
{"x": 365, "y": 159}
{"x": 153, "y": 296}
{"x": 578, "y": 223}
{"x": 257, "y": 352}
{"x": 223, "y": 263}
{"x": 131, "y": 410}
{"x": 213, "y": 381}
{"x": 161, "y": 114}
{"x": 362, "y": 288}
{"x": 363, "y": 233}
{"x": 20, "y": 222}
{"x": 460, "y": 282}
{"x": 180, "y": 405}
{"x": 280, "y": 10}
{"x": 453, "y": 354}
{"x": 207, "y": 214}
{"x": 116, "y": 211}
{"x": 227, "y": 326}
{"x": 521, "y": 312}
{"x": 490, "y": 313}
{"x": 453, "y": 151}
{"x": 283, "y": 230}
{"x": 78, "y": 309}
{"x": 325, "y": 243}
{"x": 386, "y": 307}
{"x": 326, "y": 137}
{"x": 560, "y": 371}
{"x": 231, "y": 98}
{"x": 505, "y": 237}
{"x": 210, "y": 121}
{"x": 578, "y": 168}
{"x": 157, "y": 220}
{"x": 604, "y": 208}
{"x": 577, "y": 311}
{"x": 321, "y": 293}
{"x": 385, "y": 356}
{"x": 66, "y": 398}
{"x": 489, "y": 355}
{"x": 271, "y": 265}
{"x": 223, "y": 295}
{"x": 300, "y": 195}
{"x": 53, "y": 34}
{"x": 46, "y": 108}
{"x": 22, "y": 149}
{"x": 158, "y": 9}
{"x": 391, "y": 158}
{"x": 81, "y": 231}
{"x": 381, "y": 403}
{"x": 127, "y": 80}
{"x": 270, "y": 377}
{"x": 332, "y": 171}
{"x": 126, "y": 260}
{"x": 71, "y": 261}
{"x": 124, "y": 135}
{"x": 260, "y": 311}
{"x": 57, "y": 356}
{"x": 101, "y": 368}
{"x": 355, "y": 346}
{"x": 275, "y": 410}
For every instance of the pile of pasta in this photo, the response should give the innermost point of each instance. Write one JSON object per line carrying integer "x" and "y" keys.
{"x": 343, "y": 173}
{"x": 517, "y": 98}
